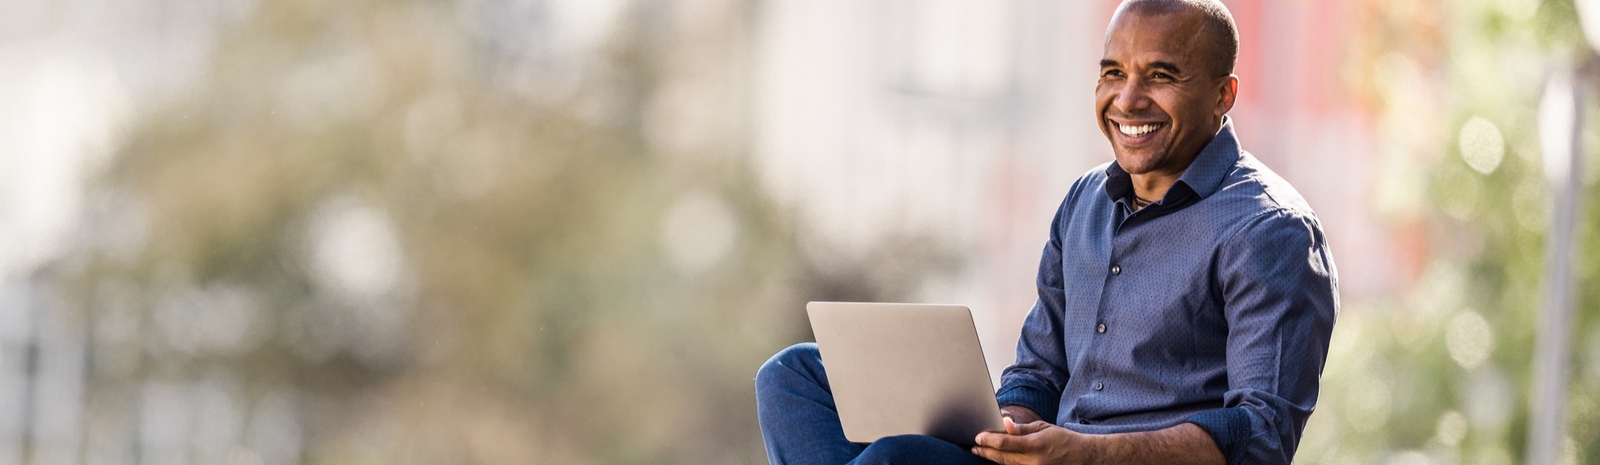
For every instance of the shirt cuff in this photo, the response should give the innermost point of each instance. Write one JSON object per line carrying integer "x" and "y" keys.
{"x": 1036, "y": 398}
{"x": 1229, "y": 428}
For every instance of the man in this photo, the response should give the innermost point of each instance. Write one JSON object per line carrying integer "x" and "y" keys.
{"x": 1186, "y": 294}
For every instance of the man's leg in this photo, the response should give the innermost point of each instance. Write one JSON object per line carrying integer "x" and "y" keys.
{"x": 798, "y": 419}
{"x": 801, "y": 425}
{"x": 916, "y": 449}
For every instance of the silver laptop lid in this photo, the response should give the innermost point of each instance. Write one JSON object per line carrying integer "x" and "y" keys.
{"x": 905, "y": 369}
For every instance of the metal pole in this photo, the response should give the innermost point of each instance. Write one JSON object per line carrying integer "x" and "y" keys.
{"x": 1560, "y": 129}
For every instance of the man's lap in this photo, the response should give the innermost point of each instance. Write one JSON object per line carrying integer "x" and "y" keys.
{"x": 795, "y": 404}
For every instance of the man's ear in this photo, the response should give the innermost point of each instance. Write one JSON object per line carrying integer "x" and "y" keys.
{"x": 1227, "y": 92}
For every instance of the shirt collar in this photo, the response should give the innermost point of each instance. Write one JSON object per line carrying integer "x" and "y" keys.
{"x": 1204, "y": 174}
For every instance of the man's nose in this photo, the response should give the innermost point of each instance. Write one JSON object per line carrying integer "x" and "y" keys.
{"x": 1133, "y": 97}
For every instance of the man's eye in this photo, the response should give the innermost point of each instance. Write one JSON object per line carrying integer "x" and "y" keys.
{"x": 1162, "y": 76}
{"x": 1111, "y": 73}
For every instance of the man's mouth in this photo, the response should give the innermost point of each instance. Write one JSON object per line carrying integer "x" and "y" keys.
{"x": 1139, "y": 130}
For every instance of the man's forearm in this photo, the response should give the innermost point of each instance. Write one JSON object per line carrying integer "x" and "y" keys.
{"x": 1181, "y": 444}
{"x": 1042, "y": 442}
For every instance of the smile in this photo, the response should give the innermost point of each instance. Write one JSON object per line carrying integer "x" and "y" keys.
{"x": 1140, "y": 130}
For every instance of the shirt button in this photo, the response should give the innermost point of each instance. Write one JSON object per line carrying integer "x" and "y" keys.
{"x": 1116, "y": 269}
{"x": 1101, "y": 328}
{"x": 1098, "y": 386}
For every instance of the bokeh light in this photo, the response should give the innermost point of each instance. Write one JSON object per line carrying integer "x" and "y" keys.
{"x": 1482, "y": 146}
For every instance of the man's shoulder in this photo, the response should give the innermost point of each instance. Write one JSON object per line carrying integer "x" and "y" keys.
{"x": 1255, "y": 187}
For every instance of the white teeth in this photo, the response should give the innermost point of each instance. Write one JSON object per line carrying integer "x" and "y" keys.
{"x": 1136, "y": 131}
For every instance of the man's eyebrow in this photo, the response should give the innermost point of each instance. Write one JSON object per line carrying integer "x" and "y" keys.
{"x": 1169, "y": 67}
{"x": 1166, "y": 66}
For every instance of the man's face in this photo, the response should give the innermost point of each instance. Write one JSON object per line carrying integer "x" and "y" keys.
{"x": 1158, "y": 99}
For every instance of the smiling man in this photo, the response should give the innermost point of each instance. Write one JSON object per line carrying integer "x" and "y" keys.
{"x": 1186, "y": 293}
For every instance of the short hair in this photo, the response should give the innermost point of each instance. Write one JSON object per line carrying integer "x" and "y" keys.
{"x": 1217, "y": 26}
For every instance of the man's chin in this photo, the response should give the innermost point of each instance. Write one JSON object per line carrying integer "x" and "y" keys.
{"x": 1136, "y": 163}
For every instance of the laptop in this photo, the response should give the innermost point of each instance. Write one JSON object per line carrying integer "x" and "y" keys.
{"x": 905, "y": 369}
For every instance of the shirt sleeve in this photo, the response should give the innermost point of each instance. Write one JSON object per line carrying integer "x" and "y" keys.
{"x": 1036, "y": 379}
{"x": 1280, "y": 293}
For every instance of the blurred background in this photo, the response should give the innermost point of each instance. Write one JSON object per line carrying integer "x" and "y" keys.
{"x": 569, "y": 231}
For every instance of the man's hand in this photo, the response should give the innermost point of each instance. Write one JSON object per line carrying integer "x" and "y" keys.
{"x": 1042, "y": 442}
{"x": 1036, "y": 442}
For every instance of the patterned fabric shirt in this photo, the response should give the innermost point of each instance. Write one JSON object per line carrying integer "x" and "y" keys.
{"x": 1213, "y": 305}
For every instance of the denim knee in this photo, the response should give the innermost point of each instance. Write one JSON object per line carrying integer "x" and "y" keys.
{"x": 803, "y": 358}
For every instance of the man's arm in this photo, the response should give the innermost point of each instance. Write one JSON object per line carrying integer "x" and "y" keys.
{"x": 1280, "y": 293}
{"x": 1045, "y": 443}
{"x": 1035, "y": 381}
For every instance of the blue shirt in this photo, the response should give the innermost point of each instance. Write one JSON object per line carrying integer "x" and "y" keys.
{"x": 1213, "y": 306}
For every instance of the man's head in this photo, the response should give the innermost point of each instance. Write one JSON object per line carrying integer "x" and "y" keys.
{"x": 1166, "y": 80}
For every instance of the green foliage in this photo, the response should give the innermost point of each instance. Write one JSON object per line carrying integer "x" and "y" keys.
{"x": 1409, "y": 379}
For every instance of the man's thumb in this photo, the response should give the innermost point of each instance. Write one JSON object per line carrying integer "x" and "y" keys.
{"x": 1030, "y": 428}
{"x": 1011, "y": 426}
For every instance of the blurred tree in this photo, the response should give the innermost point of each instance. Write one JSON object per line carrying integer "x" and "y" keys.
{"x": 368, "y": 220}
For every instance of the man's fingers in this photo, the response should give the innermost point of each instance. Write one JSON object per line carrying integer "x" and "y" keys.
{"x": 1011, "y": 426}
{"x": 1002, "y": 442}
{"x": 993, "y": 455}
{"x": 1002, "y": 457}
{"x": 985, "y": 439}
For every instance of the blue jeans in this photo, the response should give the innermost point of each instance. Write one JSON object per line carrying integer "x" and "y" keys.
{"x": 801, "y": 425}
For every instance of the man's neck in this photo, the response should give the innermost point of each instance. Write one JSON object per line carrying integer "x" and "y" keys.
{"x": 1153, "y": 186}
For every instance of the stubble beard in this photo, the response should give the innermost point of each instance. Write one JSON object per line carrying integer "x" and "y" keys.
{"x": 1139, "y": 163}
